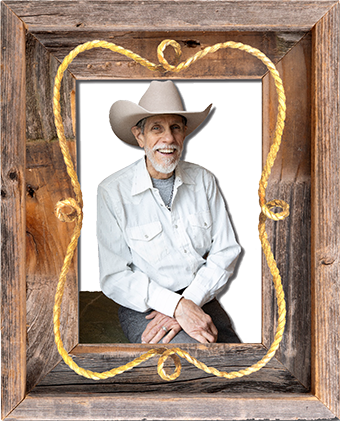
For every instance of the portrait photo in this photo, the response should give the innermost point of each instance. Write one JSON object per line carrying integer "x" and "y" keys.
{"x": 228, "y": 144}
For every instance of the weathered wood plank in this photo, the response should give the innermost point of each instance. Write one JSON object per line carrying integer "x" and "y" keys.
{"x": 230, "y": 353}
{"x": 175, "y": 16}
{"x": 175, "y": 407}
{"x": 46, "y": 237}
{"x": 41, "y": 69}
{"x": 325, "y": 211}
{"x": 85, "y": 407}
{"x": 290, "y": 239}
{"x": 46, "y": 241}
{"x": 145, "y": 379}
{"x": 13, "y": 329}
{"x": 100, "y": 63}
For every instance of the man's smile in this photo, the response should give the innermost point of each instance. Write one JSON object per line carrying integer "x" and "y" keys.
{"x": 166, "y": 151}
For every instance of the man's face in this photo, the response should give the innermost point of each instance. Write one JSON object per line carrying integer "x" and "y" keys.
{"x": 162, "y": 141}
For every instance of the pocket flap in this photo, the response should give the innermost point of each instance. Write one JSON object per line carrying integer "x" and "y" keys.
{"x": 145, "y": 232}
{"x": 201, "y": 219}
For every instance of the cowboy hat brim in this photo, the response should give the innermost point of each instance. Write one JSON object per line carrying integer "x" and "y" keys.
{"x": 126, "y": 114}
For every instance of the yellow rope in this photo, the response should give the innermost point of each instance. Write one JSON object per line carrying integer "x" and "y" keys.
{"x": 77, "y": 204}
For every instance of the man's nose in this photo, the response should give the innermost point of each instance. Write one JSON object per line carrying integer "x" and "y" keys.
{"x": 168, "y": 135}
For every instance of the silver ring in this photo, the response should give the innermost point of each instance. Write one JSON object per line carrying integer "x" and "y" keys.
{"x": 165, "y": 329}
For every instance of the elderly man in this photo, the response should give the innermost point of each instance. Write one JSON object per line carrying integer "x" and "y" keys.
{"x": 166, "y": 245}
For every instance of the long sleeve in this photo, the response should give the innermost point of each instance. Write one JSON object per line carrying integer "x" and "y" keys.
{"x": 223, "y": 254}
{"x": 147, "y": 253}
{"x": 129, "y": 287}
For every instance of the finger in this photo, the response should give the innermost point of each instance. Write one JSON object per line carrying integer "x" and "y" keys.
{"x": 153, "y": 326}
{"x": 209, "y": 336}
{"x": 151, "y": 315}
{"x": 149, "y": 336}
{"x": 171, "y": 335}
{"x": 152, "y": 335}
{"x": 159, "y": 335}
{"x": 164, "y": 330}
{"x": 200, "y": 338}
{"x": 213, "y": 329}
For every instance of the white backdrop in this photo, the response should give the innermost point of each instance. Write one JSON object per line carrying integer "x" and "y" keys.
{"x": 101, "y": 153}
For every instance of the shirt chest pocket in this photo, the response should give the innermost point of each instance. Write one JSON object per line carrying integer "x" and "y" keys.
{"x": 147, "y": 241}
{"x": 200, "y": 225}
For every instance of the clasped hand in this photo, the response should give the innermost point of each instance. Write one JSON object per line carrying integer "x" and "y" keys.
{"x": 160, "y": 326}
{"x": 187, "y": 316}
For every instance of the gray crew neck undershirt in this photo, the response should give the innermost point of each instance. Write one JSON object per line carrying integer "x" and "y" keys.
{"x": 165, "y": 188}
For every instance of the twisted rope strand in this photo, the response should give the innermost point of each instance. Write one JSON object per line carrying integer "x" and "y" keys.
{"x": 77, "y": 215}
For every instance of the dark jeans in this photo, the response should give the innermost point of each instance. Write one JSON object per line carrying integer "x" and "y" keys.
{"x": 134, "y": 323}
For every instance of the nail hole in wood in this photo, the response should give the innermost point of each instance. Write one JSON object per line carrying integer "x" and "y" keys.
{"x": 13, "y": 175}
{"x": 192, "y": 43}
{"x": 30, "y": 190}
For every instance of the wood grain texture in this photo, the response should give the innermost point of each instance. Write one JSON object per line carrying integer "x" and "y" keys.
{"x": 13, "y": 329}
{"x": 181, "y": 407}
{"x": 47, "y": 238}
{"x": 268, "y": 387}
{"x": 41, "y": 68}
{"x": 56, "y": 23}
{"x": 46, "y": 241}
{"x": 144, "y": 379}
{"x": 175, "y": 407}
{"x": 325, "y": 212}
{"x": 165, "y": 407}
{"x": 158, "y": 15}
{"x": 100, "y": 63}
{"x": 291, "y": 239}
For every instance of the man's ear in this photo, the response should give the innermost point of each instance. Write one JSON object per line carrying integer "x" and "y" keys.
{"x": 137, "y": 132}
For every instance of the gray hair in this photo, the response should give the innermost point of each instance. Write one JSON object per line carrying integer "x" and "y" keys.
{"x": 141, "y": 123}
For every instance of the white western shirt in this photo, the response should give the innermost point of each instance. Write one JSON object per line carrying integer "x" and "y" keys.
{"x": 147, "y": 252}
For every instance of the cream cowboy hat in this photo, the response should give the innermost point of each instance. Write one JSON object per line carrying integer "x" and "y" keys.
{"x": 160, "y": 98}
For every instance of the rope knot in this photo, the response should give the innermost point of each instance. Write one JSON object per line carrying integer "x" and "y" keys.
{"x": 67, "y": 210}
{"x": 160, "y": 50}
{"x": 169, "y": 353}
{"x": 276, "y": 216}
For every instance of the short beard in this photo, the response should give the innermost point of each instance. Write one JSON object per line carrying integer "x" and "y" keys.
{"x": 168, "y": 166}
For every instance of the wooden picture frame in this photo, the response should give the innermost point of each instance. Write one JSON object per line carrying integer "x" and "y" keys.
{"x": 302, "y": 38}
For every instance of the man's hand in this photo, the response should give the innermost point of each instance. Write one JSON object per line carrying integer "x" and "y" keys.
{"x": 155, "y": 331}
{"x": 195, "y": 322}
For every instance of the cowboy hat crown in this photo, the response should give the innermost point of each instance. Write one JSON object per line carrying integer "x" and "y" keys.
{"x": 160, "y": 98}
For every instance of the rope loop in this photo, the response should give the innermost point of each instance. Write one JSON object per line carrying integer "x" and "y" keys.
{"x": 266, "y": 209}
{"x": 169, "y": 353}
{"x": 160, "y": 50}
{"x": 63, "y": 213}
{"x": 62, "y": 210}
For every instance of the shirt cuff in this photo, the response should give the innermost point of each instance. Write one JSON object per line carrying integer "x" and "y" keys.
{"x": 196, "y": 294}
{"x": 162, "y": 299}
{"x": 197, "y": 291}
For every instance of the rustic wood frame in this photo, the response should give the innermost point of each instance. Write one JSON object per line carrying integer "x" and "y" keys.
{"x": 302, "y": 37}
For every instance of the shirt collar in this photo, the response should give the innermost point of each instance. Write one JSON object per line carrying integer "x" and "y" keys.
{"x": 182, "y": 176}
{"x": 142, "y": 180}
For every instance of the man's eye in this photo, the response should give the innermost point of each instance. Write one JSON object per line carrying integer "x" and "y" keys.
{"x": 155, "y": 128}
